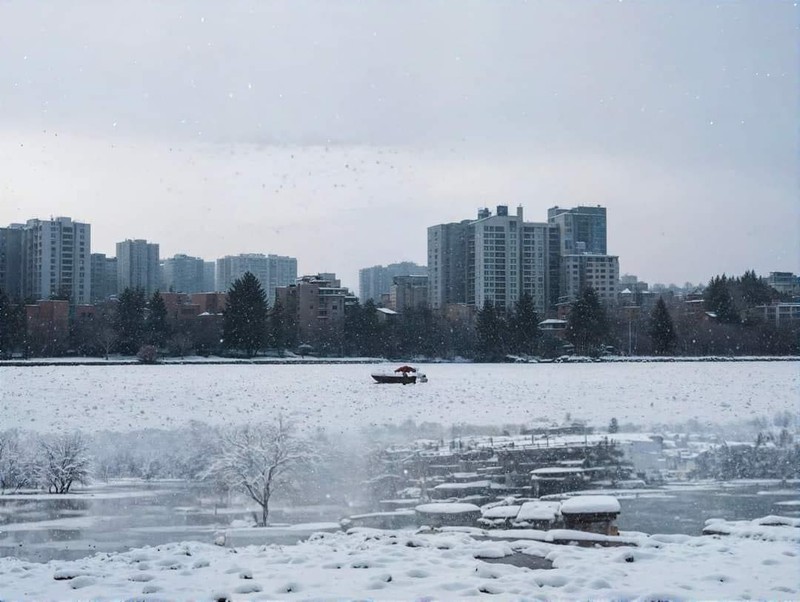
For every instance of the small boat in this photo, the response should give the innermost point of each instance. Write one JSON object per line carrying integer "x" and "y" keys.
{"x": 404, "y": 375}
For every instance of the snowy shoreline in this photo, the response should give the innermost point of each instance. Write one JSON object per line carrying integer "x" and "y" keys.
{"x": 754, "y": 559}
{"x": 292, "y": 361}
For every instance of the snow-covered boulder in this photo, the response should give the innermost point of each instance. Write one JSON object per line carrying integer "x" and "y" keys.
{"x": 448, "y": 514}
{"x": 591, "y": 504}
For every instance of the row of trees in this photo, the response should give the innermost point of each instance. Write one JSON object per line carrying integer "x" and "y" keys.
{"x": 249, "y": 325}
{"x": 729, "y": 297}
{"x": 773, "y": 456}
{"x": 256, "y": 460}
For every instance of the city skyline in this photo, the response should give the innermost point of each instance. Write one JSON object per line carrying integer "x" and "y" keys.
{"x": 327, "y": 124}
{"x": 355, "y": 285}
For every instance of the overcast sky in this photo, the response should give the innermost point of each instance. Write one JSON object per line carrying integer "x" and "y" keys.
{"x": 337, "y": 132}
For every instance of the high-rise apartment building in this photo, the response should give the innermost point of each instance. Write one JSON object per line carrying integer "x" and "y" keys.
{"x": 495, "y": 258}
{"x": 209, "y": 278}
{"x": 104, "y": 277}
{"x": 584, "y": 258}
{"x": 376, "y": 281}
{"x": 271, "y": 270}
{"x": 450, "y": 254}
{"x": 408, "y": 292}
{"x": 11, "y": 239}
{"x": 600, "y": 272}
{"x": 183, "y": 274}
{"x": 137, "y": 266}
{"x": 583, "y": 229}
{"x": 514, "y": 257}
{"x": 55, "y": 259}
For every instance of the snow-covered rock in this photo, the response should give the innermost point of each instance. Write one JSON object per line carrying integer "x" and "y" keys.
{"x": 591, "y": 504}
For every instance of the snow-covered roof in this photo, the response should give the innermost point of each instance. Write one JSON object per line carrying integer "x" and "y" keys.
{"x": 447, "y": 508}
{"x": 552, "y": 321}
{"x": 538, "y": 511}
{"x": 590, "y": 504}
{"x": 387, "y": 311}
{"x": 465, "y": 475}
{"x": 626, "y": 291}
{"x": 467, "y": 485}
{"x": 550, "y": 470}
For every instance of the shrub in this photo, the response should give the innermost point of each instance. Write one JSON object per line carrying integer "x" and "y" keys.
{"x": 148, "y": 354}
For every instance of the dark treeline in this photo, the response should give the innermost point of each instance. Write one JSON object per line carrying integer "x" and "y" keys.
{"x": 135, "y": 324}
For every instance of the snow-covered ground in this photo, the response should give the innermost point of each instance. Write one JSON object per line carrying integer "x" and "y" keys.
{"x": 755, "y": 560}
{"x": 343, "y": 396}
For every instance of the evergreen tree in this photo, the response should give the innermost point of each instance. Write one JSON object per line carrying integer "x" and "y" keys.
{"x": 282, "y": 328}
{"x": 420, "y": 333}
{"x": 524, "y": 326}
{"x": 719, "y": 300}
{"x": 130, "y": 322}
{"x": 370, "y": 329}
{"x": 158, "y": 329}
{"x": 490, "y": 326}
{"x": 362, "y": 330}
{"x": 662, "y": 330}
{"x": 754, "y": 291}
{"x": 587, "y": 325}
{"x": 613, "y": 426}
{"x": 246, "y": 313}
{"x": 353, "y": 329}
{"x": 12, "y": 325}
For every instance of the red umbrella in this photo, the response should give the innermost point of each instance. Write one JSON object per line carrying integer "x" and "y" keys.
{"x": 406, "y": 369}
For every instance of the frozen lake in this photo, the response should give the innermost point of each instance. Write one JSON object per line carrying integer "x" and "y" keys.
{"x": 341, "y": 397}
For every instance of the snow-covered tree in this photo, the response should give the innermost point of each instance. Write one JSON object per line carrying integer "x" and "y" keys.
{"x": 257, "y": 459}
{"x": 15, "y": 469}
{"x": 62, "y": 462}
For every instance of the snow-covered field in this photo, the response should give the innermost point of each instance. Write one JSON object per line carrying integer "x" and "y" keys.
{"x": 343, "y": 396}
{"x": 752, "y": 562}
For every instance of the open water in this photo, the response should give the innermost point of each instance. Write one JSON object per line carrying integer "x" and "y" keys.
{"x": 128, "y": 514}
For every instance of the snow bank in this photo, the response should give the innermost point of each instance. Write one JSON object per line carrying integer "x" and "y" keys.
{"x": 768, "y": 528}
{"x": 374, "y": 564}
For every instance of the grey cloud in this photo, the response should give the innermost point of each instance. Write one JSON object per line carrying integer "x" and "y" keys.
{"x": 688, "y": 107}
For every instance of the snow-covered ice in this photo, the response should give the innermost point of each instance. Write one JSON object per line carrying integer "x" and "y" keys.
{"x": 343, "y": 396}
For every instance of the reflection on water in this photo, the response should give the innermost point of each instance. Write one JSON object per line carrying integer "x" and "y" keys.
{"x": 133, "y": 514}
{"x": 118, "y": 517}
